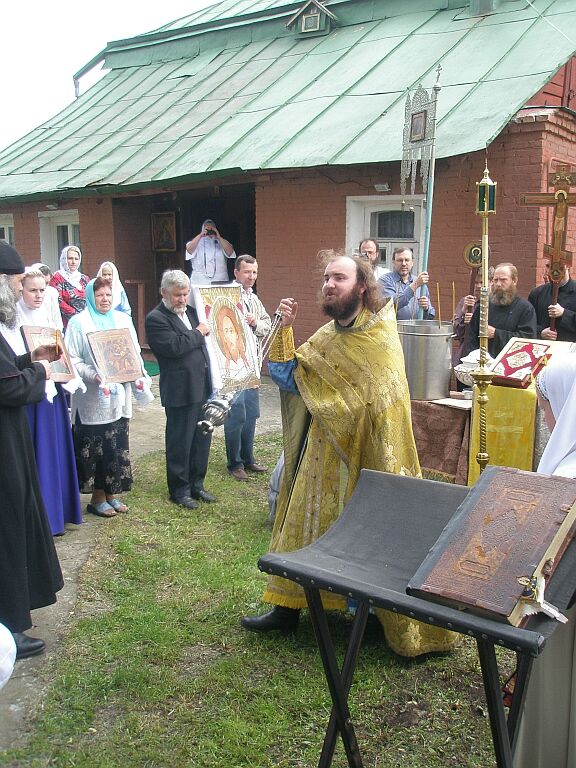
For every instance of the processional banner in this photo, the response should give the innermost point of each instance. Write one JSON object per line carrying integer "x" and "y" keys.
{"x": 232, "y": 346}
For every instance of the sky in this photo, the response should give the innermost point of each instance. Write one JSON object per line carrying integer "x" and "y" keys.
{"x": 44, "y": 44}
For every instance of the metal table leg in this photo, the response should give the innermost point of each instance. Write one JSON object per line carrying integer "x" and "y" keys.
{"x": 338, "y": 689}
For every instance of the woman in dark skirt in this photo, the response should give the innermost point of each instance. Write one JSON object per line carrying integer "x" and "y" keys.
{"x": 100, "y": 416}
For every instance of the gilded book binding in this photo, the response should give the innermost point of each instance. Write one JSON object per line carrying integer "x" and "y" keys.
{"x": 511, "y": 524}
{"x": 519, "y": 362}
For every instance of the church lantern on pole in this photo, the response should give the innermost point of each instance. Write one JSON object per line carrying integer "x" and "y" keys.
{"x": 485, "y": 206}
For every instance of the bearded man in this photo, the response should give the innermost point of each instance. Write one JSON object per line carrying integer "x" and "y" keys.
{"x": 508, "y": 314}
{"x": 345, "y": 407}
{"x": 30, "y": 573}
{"x": 177, "y": 339}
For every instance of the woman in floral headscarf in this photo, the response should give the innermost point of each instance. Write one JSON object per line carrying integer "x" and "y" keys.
{"x": 70, "y": 283}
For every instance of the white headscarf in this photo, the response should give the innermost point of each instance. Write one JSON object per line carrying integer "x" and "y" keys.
{"x": 75, "y": 277}
{"x": 557, "y": 383}
{"x": 27, "y": 316}
{"x": 117, "y": 286}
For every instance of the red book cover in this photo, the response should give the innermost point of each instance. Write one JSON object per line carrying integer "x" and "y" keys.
{"x": 519, "y": 362}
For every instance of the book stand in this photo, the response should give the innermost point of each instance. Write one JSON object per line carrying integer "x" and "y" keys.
{"x": 369, "y": 554}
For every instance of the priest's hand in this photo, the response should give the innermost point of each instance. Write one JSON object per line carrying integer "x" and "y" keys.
{"x": 48, "y": 352}
{"x": 549, "y": 334}
{"x": 555, "y": 310}
{"x": 288, "y": 310}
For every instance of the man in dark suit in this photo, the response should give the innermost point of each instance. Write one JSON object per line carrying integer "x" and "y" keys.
{"x": 176, "y": 337}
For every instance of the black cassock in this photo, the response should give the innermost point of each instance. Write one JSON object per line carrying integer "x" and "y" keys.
{"x": 30, "y": 573}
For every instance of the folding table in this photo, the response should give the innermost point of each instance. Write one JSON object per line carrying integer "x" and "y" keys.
{"x": 369, "y": 554}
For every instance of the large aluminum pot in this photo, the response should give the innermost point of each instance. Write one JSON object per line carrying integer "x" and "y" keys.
{"x": 427, "y": 348}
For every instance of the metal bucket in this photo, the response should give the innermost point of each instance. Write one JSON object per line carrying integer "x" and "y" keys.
{"x": 427, "y": 350}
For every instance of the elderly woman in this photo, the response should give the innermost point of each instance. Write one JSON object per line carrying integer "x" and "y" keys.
{"x": 49, "y": 421}
{"x": 547, "y": 735}
{"x": 109, "y": 272}
{"x": 70, "y": 283}
{"x": 100, "y": 416}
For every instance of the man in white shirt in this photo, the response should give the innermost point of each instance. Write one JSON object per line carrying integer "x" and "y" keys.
{"x": 207, "y": 254}
{"x": 240, "y": 426}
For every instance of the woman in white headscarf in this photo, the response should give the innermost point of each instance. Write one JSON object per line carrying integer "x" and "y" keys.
{"x": 109, "y": 272}
{"x": 50, "y": 304}
{"x": 70, "y": 283}
{"x": 49, "y": 421}
{"x": 547, "y": 737}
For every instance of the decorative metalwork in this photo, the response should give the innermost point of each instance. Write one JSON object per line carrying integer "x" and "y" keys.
{"x": 482, "y": 376}
{"x": 419, "y": 135}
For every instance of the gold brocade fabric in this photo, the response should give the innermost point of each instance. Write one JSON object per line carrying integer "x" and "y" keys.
{"x": 510, "y": 425}
{"x": 353, "y": 385}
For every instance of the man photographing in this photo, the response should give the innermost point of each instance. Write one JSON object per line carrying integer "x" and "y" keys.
{"x": 207, "y": 254}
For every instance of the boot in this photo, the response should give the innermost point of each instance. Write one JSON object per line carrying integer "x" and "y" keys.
{"x": 284, "y": 620}
{"x": 27, "y": 646}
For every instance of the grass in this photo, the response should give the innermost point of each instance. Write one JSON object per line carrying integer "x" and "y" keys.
{"x": 155, "y": 671}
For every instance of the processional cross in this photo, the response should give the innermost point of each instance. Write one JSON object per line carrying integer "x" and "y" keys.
{"x": 562, "y": 179}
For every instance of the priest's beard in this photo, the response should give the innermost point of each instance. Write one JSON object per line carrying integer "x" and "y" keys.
{"x": 503, "y": 297}
{"x": 343, "y": 307}
{"x": 8, "y": 315}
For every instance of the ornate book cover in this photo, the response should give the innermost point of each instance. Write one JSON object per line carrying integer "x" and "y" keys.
{"x": 510, "y": 525}
{"x": 519, "y": 362}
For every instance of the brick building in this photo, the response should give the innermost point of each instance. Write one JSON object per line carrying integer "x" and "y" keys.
{"x": 284, "y": 123}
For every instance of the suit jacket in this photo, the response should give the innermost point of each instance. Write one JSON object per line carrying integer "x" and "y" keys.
{"x": 182, "y": 357}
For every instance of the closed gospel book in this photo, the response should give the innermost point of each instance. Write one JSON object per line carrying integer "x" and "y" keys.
{"x": 519, "y": 362}
{"x": 512, "y": 526}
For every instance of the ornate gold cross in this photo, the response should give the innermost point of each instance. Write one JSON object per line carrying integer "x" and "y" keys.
{"x": 562, "y": 179}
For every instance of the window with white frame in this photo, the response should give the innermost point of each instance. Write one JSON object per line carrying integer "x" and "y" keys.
{"x": 7, "y": 228}
{"x": 390, "y": 220}
{"x": 57, "y": 230}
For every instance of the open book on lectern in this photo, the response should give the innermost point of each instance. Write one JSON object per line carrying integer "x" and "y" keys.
{"x": 512, "y": 526}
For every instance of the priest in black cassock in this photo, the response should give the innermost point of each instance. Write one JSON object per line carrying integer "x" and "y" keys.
{"x": 30, "y": 572}
{"x": 508, "y": 314}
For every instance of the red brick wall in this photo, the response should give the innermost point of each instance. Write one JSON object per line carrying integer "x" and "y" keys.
{"x": 299, "y": 213}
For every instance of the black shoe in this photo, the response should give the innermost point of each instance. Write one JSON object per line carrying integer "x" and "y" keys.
{"x": 203, "y": 496}
{"x": 185, "y": 501}
{"x": 27, "y": 646}
{"x": 279, "y": 618}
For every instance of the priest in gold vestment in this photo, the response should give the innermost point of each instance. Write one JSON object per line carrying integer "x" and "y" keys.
{"x": 345, "y": 407}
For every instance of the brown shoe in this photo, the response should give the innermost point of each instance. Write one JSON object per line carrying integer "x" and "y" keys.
{"x": 255, "y": 467}
{"x": 238, "y": 474}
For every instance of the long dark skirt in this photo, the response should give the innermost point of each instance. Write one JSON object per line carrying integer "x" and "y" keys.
{"x": 103, "y": 456}
{"x": 55, "y": 460}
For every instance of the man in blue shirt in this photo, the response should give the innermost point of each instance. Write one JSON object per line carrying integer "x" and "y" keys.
{"x": 401, "y": 286}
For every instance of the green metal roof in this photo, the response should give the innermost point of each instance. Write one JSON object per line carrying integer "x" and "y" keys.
{"x": 214, "y": 93}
